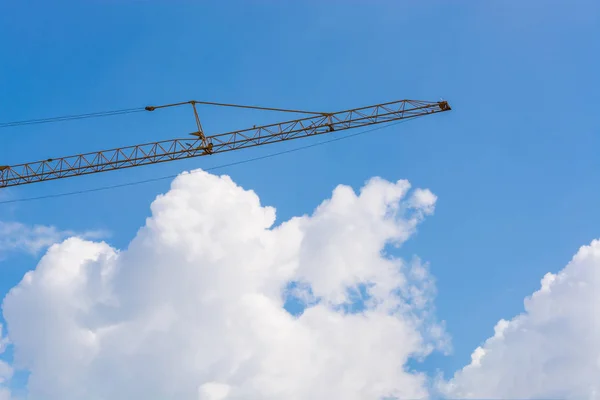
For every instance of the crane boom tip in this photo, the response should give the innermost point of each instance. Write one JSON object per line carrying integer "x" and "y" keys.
{"x": 444, "y": 106}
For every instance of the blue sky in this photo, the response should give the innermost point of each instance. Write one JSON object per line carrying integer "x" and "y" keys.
{"x": 514, "y": 165}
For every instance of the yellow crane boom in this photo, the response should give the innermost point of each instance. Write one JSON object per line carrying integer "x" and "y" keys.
{"x": 200, "y": 145}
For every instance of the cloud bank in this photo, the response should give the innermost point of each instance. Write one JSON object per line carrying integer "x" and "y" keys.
{"x": 193, "y": 308}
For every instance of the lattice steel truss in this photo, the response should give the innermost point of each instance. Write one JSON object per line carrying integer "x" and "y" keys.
{"x": 200, "y": 145}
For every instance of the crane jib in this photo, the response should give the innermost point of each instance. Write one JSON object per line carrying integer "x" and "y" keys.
{"x": 201, "y": 145}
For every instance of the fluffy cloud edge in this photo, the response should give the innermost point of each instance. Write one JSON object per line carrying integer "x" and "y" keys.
{"x": 550, "y": 350}
{"x": 33, "y": 239}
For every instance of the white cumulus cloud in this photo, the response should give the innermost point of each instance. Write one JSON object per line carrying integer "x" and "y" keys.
{"x": 551, "y": 350}
{"x": 193, "y": 308}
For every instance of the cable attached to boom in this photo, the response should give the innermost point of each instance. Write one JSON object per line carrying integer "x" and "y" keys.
{"x": 70, "y": 117}
{"x": 139, "y": 109}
